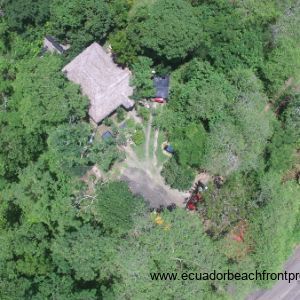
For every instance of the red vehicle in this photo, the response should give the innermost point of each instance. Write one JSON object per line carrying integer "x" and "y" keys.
{"x": 191, "y": 206}
{"x": 192, "y": 202}
{"x": 158, "y": 100}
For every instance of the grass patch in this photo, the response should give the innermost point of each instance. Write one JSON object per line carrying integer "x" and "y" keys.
{"x": 161, "y": 157}
{"x": 151, "y": 143}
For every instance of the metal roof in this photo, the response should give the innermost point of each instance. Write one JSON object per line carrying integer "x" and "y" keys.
{"x": 161, "y": 85}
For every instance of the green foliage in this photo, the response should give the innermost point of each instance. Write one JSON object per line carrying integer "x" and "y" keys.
{"x": 119, "y": 12}
{"x": 115, "y": 207}
{"x": 17, "y": 146}
{"x": 189, "y": 144}
{"x": 80, "y": 22}
{"x": 284, "y": 59}
{"x": 20, "y": 14}
{"x": 272, "y": 226}
{"x": 292, "y": 117}
{"x": 120, "y": 114}
{"x": 68, "y": 146}
{"x": 233, "y": 40}
{"x": 224, "y": 149}
{"x": 169, "y": 29}
{"x": 144, "y": 113}
{"x": 225, "y": 207}
{"x": 142, "y": 81}
{"x": 177, "y": 246}
{"x": 43, "y": 97}
{"x": 61, "y": 236}
{"x": 125, "y": 52}
{"x": 201, "y": 92}
{"x": 85, "y": 252}
{"x": 138, "y": 136}
{"x": 105, "y": 154}
{"x": 177, "y": 176}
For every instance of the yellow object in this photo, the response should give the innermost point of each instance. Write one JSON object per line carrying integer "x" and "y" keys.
{"x": 158, "y": 220}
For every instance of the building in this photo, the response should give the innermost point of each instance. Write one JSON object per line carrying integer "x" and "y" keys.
{"x": 101, "y": 80}
{"x": 51, "y": 45}
{"x": 161, "y": 85}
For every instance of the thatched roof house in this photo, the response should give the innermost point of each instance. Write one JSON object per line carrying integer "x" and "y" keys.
{"x": 105, "y": 84}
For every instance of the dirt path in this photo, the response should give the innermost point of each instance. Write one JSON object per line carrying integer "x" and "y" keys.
{"x": 153, "y": 190}
{"x": 148, "y": 136}
{"x": 143, "y": 175}
{"x": 156, "y": 133}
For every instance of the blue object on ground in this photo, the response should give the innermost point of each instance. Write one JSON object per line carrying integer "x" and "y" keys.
{"x": 169, "y": 149}
{"x": 107, "y": 135}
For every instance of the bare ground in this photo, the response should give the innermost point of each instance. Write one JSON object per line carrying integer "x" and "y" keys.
{"x": 144, "y": 178}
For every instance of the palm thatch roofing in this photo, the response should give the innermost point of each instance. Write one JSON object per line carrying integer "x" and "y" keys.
{"x": 101, "y": 80}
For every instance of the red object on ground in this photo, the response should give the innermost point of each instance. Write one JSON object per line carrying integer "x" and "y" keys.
{"x": 159, "y": 100}
{"x": 191, "y": 206}
{"x": 237, "y": 238}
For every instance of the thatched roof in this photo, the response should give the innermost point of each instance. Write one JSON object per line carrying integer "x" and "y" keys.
{"x": 105, "y": 84}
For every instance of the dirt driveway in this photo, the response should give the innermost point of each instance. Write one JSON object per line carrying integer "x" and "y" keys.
{"x": 143, "y": 174}
{"x": 142, "y": 183}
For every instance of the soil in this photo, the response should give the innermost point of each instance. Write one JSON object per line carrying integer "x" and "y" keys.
{"x": 143, "y": 175}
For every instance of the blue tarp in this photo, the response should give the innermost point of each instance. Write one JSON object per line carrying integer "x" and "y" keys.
{"x": 169, "y": 149}
{"x": 107, "y": 135}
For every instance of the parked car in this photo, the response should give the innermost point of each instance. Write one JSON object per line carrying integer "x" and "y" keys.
{"x": 158, "y": 100}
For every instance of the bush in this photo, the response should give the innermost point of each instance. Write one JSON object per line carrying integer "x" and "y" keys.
{"x": 144, "y": 113}
{"x": 138, "y": 136}
{"x": 120, "y": 114}
{"x": 177, "y": 176}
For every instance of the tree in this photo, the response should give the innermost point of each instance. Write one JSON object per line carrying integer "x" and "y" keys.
{"x": 283, "y": 60}
{"x": 230, "y": 204}
{"x": 169, "y": 29}
{"x": 80, "y": 22}
{"x": 272, "y": 226}
{"x": 20, "y": 14}
{"x": 189, "y": 143}
{"x": 105, "y": 154}
{"x": 115, "y": 208}
{"x": 17, "y": 146}
{"x": 178, "y": 245}
{"x": 43, "y": 97}
{"x": 142, "y": 81}
{"x": 85, "y": 252}
{"x": 224, "y": 149}
{"x": 201, "y": 92}
{"x": 68, "y": 146}
{"x": 177, "y": 176}
{"x": 234, "y": 40}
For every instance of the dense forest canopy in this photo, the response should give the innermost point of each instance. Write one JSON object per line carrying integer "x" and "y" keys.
{"x": 234, "y": 111}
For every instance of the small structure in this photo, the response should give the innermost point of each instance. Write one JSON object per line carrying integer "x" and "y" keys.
{"x": 107, "y": 136}
{"x": 169, "y": 149}
{"x": 51, "y": 45}
{"x": 101, "y": 80}
{"x": 161, "y": 85}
